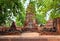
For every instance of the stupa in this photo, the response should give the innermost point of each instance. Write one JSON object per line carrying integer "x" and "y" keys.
{"x": 30, "y": 22}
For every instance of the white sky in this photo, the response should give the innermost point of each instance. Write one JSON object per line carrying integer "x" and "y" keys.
{"x": 48, "y": 15}
{"x": 26, "y": 3}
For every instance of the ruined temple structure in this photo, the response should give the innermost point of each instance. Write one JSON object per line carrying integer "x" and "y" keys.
{"x": 49, "y": 24}
{"x": 56, "y": 24}
{"x": 30, "y": 23}
{"x": 13, "y": 27}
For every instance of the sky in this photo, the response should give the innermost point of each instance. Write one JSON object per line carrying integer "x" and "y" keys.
{"x": 48, "y": 14}
{"x": 26, "y": 3}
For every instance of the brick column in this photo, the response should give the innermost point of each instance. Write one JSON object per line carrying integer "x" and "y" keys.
{"x": 58, "y": 25}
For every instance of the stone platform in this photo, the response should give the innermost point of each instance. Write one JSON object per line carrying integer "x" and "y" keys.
{"x": 30, "y": 37}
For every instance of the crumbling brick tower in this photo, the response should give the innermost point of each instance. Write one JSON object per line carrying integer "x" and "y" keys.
{"x": 30, "y": 21}
{"x": 30, "y": 17}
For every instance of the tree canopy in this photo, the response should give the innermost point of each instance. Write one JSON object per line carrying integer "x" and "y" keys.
{"x": 9, "y": 10}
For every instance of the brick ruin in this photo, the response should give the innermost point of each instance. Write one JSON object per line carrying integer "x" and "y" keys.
{"x": 56, "y": 24}
{"x": 30, "y": 22}
{"x": 31, "y": 25}
{"x": 13, "y": 27}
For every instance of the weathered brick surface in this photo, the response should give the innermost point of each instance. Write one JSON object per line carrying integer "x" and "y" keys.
{"x": 4, "y": 39}
{"x": 23, "y": 39}
{"x": 53, "y": 39}
{"x": 29, "y": 40}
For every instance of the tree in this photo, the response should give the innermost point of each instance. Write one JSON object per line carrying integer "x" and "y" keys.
{"x": 44, "y": 6}
{"x": 10, "y": 9}
{"x": 56, "y": 9}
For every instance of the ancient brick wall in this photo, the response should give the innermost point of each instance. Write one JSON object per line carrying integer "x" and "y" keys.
{"x": 58, "y": 25}
{"x": 33, "y": 39}
{"x": 49, "y": 24}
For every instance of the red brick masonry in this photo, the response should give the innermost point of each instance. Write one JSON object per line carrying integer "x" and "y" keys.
{"x": 41, "y": 38}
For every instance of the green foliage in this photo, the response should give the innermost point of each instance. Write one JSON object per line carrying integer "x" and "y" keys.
{"x": 56, "y": 9}
{"x": 40, "y": 19}
{"x": 23, "y": 1}
{"x": 31, "y": 7}
{"x": 11, "y": 8}
{"x": 43, "y": 6}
